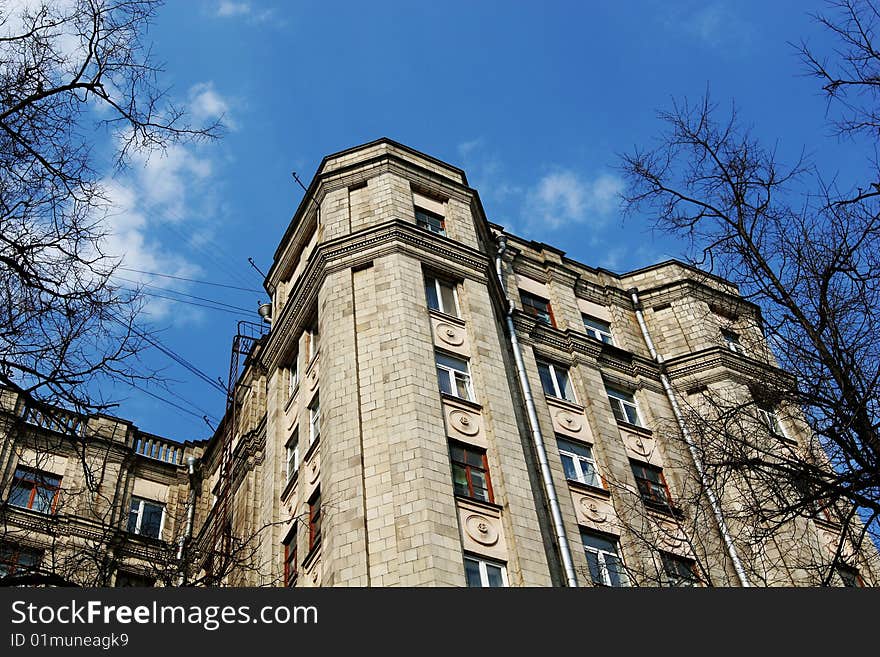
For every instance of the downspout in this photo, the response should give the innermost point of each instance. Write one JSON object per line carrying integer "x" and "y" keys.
{"x": 676, "y": 410}
{"x": 190, "y": 517}
{"x": 537, "y": 437}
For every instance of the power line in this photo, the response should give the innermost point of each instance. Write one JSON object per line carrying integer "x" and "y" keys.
{"x": 172, "y": 355}
{"x": 237, "y": 311}
{"x": 214, "y": 302}
{"x": 163, "y": 399}
{"x": 192, "y": 280}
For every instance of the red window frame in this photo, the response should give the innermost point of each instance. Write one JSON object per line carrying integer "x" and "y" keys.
{"x": 291, "y": 569}
{"x": 315, "y": 521}
{"x": 37, "y": 480}
{"x": 530, "y": 307}
{"x": 12, "y": 558}
{"x": 648, "y": 487}
{"x": 468, "y": 467}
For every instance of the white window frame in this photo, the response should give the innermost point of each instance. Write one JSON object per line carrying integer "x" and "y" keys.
{"x": 294, "y": 452}
{"x": 603, "y": 566}
{"x": 430, "y": 213}
{"x": 624, "y": 400}
{"x": 596, "y": 332}
{"x": 312, "y": 345}
{"x": 140, "y": 516}
{"x": 557, "y": 391}
{"x": 576, "y": 459}
{"x": 484, "y": 574}
{"x": 679, "y": 582}
{"x": 450, "y": 373}
{"x": 771, "y": 420}
{"x": 438, "y": 283}
{"x": 731, "y": 341}
{"x": 315, "y": 420}
{"x": 293, "y": 377}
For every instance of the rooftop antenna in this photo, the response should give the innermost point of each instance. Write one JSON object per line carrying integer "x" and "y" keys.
{"x": 298, "y": 181}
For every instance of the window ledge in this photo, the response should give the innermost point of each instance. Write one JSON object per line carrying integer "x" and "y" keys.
{"x": 635, "y": 428}
{"x": 559, "y": 401}
{"x": 588, "y": 488}
{"x": 454, "y": 319}
{"x": 311, "y": 450}
{"x": 479, "y": 503}
{"x": 292, "y": 397}
{"x": 313, "y": 555}
{"x": 290, "y": 485}
{"x": 461, "y": 400}
{"x": 664, "y": 509}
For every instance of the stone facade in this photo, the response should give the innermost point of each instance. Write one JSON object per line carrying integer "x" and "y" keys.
{"x": 353, "y": 454}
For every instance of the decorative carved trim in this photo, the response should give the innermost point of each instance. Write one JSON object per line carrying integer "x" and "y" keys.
{"x": 481, "y": 529}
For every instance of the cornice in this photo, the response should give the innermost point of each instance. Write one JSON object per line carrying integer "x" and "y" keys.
{"x": 359, "y": 248}
{"x": 727, "y": 364}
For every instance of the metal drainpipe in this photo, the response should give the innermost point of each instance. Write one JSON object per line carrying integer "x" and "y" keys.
{"x": 676, "y": 410}
{"x": 190, "y": 516}
{"x": 549, "y": 487}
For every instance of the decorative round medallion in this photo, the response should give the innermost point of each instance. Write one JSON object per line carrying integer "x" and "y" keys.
{"x": 314, "y": 471}
{"x": 592, "y": 510}
{"x": 670, "y": 540}
{"x": 464, "y": 422}
{"x": 315, "y": 576}
{"x": 569, "y": 420}
{"x": 481, "y": 529}
{"x": 313, "y": 378}
{"x": 450, "y": 334}
{"x": 643, "y": 446}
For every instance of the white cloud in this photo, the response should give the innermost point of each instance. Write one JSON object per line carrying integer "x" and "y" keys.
{"x": 247, "y": 11}
{"x": 714, "y": 24}
{"x": 207, "y": 105}
{"x": 227, "y": 9}
{"x": 562, "y": 197}
{"x": 159, "y": 210}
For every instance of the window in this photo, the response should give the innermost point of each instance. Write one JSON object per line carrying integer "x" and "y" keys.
{"x": 849, "y": 576}
{"x": 678, "y": 571}
{"x": 315, "y": 520}
{"x": 17, "y": 560}
{"x": 731, "y": 341}
{"x": 293, "y": 378}
{"x": 480, "y": 573}
{"x": 34, "y": 489}
{"x": 312, "y": 343}
{"x": 555, "y": 381}
{"x": 145, "y": 518}
{"x": 652, "y": 485}
{"x": 537, "y": 307}
{"x": 314, "y": 420}
{"x": 771, "y": 421}
{"x": 597, "y": 328}
{"x": 441, "y": 296}
{"x": 623, "y": 405}
{"x": 128, "y": 579}
{"x": 470, "y": 472}
{"x": 290, "y": 560}
{"x": 293, "y": 455}
{"x": 454, "y": 376}
{"x": 430, "y": 221}
{"x": 578, "y": 463}
{"x": 606, "y": 568}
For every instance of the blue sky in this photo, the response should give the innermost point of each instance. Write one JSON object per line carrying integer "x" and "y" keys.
{"x": 534, "y": 100}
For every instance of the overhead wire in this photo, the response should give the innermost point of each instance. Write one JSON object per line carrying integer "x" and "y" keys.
{"x": 172, "y": 355}
{"x": 192, "y": 280}
{"x": 226, "y": 306}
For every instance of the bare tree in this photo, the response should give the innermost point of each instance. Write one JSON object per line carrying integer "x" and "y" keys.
{"x": 808, "y": 254}
{"x": 78, "y": 94}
